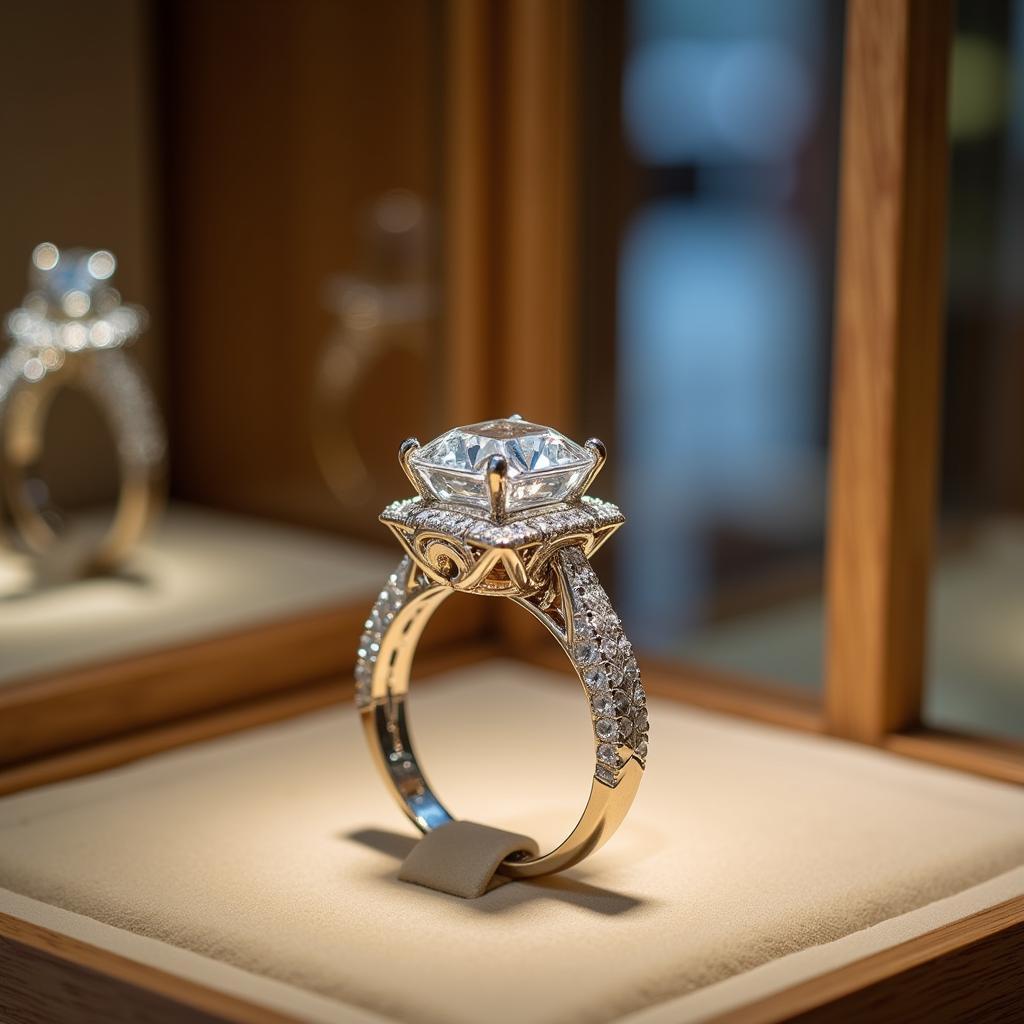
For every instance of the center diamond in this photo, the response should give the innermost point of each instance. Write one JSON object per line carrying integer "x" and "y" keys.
{"x": 544, "y": 466}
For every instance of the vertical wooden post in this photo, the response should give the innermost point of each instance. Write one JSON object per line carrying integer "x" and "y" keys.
{"x": 886, "y": 391}
{"x": 510, "y": 253}
{"x": 538, "y": 211}
{"x": 510, "y": 207}
{"x": 467, "y": 257}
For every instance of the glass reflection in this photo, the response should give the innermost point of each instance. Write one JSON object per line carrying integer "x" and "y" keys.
{"x": 977, "y": 616}
{"x": 382, "y": 309}
{"x": 730, "y": 118}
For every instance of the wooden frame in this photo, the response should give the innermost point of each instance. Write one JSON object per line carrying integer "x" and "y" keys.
{"x": 889, "y": 329}
{"x": 886, "y": 394}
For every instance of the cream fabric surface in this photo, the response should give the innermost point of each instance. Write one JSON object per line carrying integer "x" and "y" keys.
{"x": 277, "y": 852}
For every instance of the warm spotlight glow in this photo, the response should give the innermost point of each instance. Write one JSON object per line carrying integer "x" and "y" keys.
{"x": 45, "y": 256}
{"x": 75, "y": 302}
{"x": 102, "y": 264}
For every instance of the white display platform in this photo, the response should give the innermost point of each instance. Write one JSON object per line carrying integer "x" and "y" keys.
{"x": 264, "y": 864}
{"x": 200, "y": 574}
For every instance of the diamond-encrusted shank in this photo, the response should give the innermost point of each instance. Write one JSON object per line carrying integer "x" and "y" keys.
{"x": 389, "y": 602}
{"x": 599, "y": 650}
{"x": 605, "y": 661}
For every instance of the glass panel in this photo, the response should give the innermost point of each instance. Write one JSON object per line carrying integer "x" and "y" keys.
{"x": 977, "y": 616}
{"x": 728, "y": 139}
{"x": 265, "y": 176}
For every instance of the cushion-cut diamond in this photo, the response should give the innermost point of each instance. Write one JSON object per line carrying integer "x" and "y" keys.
{"x": 544, "y": 466}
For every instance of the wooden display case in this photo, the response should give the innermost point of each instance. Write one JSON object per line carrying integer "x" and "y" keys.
{"x": 508, "y": 192}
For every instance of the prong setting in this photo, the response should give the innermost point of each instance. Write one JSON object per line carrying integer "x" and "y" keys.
{"x": 497, "y": 478}
{"x": 405, "y": 451}
{"x": 600, "y": 452}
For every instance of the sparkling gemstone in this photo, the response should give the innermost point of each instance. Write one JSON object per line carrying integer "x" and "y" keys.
{"x": 363, "y": 672}
{"x": 604, "y": 705}
{"x": 583, "y": 630}
{"x": 607, "y": 753}
{"x": 596, "y": 679}
{"x": 614, "y": 676}
{"x": 620, "y": 701}
{"x": 610, "y": 650}
{"x": 641, "y": 750}
{"x": 586, "y": 653}
{"x": 606, "y": 775}
{"x": 544, "y": 466}
{"x": 606, "y": 729}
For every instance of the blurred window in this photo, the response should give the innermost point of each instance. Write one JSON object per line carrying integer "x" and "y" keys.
{"x": 730, "y": 121}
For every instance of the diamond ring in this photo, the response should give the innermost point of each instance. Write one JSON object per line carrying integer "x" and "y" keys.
{"x": 501, "y": 510}
{"x": 72, "y": 329}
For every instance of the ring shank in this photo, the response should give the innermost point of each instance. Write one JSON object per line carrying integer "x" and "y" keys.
{"x": 120, "y": 391}
{"x": 399, "y": 619}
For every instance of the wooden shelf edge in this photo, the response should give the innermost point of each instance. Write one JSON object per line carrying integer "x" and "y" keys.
{"x": 49, "y": 714}
{"x": 111, "y": 753}
{"x": 996, "y": 759}
{"x": 111, "y": 982}
{"x": 59, "y": 978}
{"x": 864, "y": 978}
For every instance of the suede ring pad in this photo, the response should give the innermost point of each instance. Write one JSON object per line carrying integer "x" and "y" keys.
{"x": 463, "y": 858}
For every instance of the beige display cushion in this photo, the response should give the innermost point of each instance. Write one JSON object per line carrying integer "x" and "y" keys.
{"x": 201, "y": 573}
{"x": 265, "y": 864}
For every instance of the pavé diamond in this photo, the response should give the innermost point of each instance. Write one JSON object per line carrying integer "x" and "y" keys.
{"x": 621, "y": 701}
{"x": 544, "y": 466}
